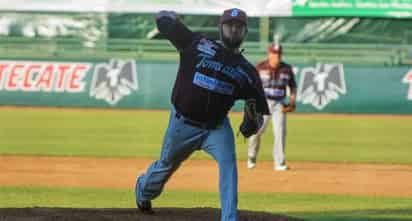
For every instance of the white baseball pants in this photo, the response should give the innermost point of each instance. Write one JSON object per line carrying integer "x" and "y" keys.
{"x": 279, "y": 131}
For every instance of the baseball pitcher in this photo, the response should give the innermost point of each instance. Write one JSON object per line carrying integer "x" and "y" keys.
{"x": 211, "y": 76}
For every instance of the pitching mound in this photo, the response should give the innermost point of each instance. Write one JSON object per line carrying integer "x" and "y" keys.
{"x": 162, "y": 214}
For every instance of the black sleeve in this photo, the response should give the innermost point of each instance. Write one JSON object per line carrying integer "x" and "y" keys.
{"x": 261, "y": 103}
{"x": 255, "y": 91}
{"x": 175, "y": 31}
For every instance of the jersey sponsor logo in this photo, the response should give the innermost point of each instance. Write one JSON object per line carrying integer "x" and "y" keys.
{"x": 274, "y": 92}
{"x": 408, "y": 80}
{"x": 213, "y": 84}
{"x": 114, "y": 80}
{"x": 277, "y": 83}
{"x": 210, "y": 64}
{"x": 284, "y": 77}
{"x": 207, "y": 47}
{"x": 236, "y": 73}
{"x": 240, "y": 71}
{"x": 321, "y": 85}
{"x": 30, "y": 76}
{"x": 267, "y": 82}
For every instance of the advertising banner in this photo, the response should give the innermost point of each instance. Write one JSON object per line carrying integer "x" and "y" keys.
{"x": 203, "y": 7}
{"x": 354, "y": 8}
{"x": 123, "y": 83}
{"x": 115, "y": 83}
{"x": 340, "y": 88}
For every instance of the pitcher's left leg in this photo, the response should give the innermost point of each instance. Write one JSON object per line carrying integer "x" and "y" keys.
{"x": 221, "y": 145}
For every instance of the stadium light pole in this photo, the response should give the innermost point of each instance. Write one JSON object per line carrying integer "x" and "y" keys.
{"x": 263, "y": 32}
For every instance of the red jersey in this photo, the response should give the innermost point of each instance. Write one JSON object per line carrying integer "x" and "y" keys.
{"x": 275, "y": 80}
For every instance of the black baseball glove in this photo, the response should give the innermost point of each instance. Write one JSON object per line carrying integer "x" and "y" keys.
{"x": 252, "y": 121}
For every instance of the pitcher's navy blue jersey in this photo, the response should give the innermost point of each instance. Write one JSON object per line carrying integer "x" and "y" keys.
{"x": 210, "y": 77}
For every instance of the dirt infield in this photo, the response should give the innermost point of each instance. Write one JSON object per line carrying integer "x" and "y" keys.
{"x": 325, "y": 178}
{"x": 164, "y": 214}
{"x": 354, "y": 179}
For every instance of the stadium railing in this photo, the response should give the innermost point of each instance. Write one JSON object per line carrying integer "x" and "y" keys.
{"x": 77, "y": 48}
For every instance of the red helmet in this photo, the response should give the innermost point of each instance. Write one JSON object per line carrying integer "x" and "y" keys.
{"x": 275, "y": 49}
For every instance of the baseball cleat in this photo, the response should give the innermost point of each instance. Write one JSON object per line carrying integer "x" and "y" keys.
{"x": 145, "y": 207}
{"x": 251, "y": 163}
{"x": 281, "y": 168}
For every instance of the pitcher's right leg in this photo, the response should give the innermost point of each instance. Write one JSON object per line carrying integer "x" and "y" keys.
{"x": 179, "y": 143}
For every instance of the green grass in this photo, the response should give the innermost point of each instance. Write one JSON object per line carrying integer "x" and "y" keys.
{"x": 102, "y": 133}
{"x": 307, "y": 206}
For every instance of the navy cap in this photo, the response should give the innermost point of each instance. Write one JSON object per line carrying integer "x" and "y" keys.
{"x": 233, "y": 14}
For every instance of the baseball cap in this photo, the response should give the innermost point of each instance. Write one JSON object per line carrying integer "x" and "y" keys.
{"x": 275, "y": 48}
{"x": 233, "y": 14}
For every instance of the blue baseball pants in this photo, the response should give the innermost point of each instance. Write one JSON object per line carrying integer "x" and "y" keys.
{"x": 180, "y": 141}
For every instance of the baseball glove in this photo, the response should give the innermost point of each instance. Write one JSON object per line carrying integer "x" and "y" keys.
{"x": 288, "y": 108}
{"x": 252, "y": 121}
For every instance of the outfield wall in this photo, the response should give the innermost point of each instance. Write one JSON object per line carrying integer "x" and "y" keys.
{"x": 334, "y": 88}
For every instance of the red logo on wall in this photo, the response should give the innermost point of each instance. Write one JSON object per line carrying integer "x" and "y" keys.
{"x": 43, "y": 76}
{"x": 408, "y": 80}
